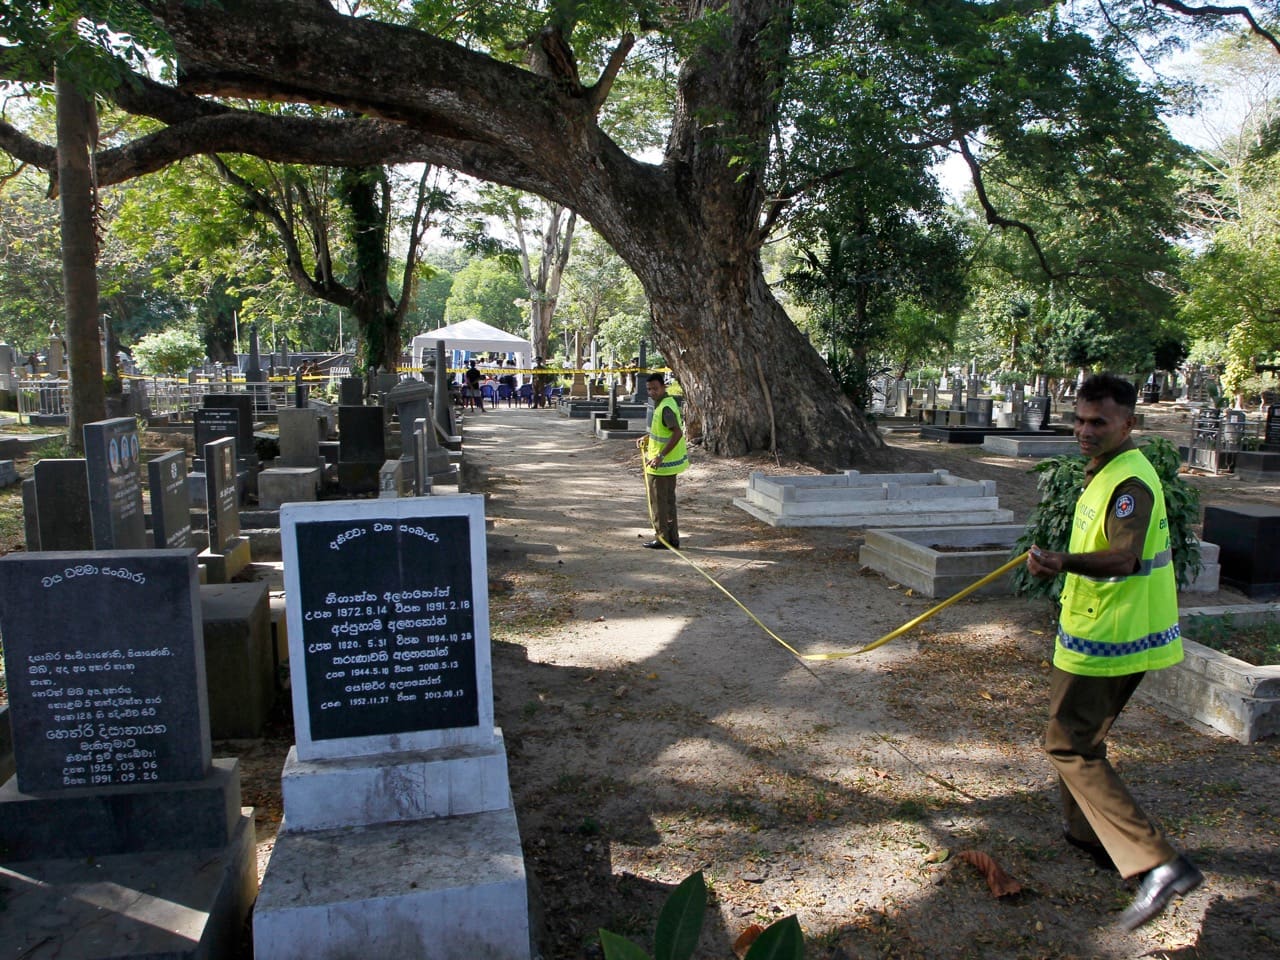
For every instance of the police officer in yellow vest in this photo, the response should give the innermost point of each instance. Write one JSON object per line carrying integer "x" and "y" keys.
{"x": 1119, "y": 619}
{"x": 665, "y": 455}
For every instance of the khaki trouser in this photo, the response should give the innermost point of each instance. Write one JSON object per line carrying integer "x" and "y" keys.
{"x": 662, "y": 504}
{"x": 1096, "y": 805}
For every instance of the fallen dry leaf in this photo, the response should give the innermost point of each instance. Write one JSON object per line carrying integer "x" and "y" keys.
{"x": 937, "y": 856}
{"x": 746, "y": 938}
{"x": 984, "y": 695}
{"x": 599, "y": 620}
{"x": 1001, "y": 884}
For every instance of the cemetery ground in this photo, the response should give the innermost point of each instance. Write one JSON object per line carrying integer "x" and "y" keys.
{"x": 653, "y": 729}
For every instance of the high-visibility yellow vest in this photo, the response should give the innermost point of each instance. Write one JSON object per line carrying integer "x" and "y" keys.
{"x": 1120, "y": 625}
{"x": 677, "y": 461}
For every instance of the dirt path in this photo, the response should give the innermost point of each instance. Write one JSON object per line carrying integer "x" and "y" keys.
{"x": 653, "y": 730}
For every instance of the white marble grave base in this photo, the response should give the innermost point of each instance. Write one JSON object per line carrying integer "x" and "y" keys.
{"x": 452, "y": 888}
{"x": 443, "y": 782}
{"x": 176, "y": 904}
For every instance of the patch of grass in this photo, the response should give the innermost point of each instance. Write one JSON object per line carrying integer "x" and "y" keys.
{"x": 11, "y": 530}
{"x": 1255, "y": 643}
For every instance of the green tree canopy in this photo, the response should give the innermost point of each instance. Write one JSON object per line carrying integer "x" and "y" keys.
{"x": 489, "y": 290}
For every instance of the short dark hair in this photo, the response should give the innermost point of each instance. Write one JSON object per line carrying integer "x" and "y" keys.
{"x": 656, "y": 376}
{"x": 1102, "y": 385}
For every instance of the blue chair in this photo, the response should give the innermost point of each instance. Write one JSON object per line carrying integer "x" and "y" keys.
{"x": 525, "y": 395}
{"x": 506, "y": 393}
{"x": 488, "y": 394}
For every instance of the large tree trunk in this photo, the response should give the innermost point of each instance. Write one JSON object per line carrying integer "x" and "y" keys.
{"x": 77, "y": 136}
{"x": 690, "y": 228}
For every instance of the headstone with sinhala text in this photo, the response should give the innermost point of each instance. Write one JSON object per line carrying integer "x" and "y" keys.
{"x": 393, "y": 714}
{"x": 228, "y": 552}
{"x": 115, "y": 784}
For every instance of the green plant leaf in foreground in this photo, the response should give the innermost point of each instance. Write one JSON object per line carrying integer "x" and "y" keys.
{"x": 782, "y": 940}
{"x": 620, "y": 948}
{"x": 680, "y": 921}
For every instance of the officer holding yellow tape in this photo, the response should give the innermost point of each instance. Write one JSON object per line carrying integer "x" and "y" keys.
{"x": 1119, "y": 619}
{"x": 665, "y": 456}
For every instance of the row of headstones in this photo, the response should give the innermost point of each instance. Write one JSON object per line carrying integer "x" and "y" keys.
{"x": 1025, "y": 413}
{"x": 95, "y": 502}
{"x": 393, "y": 712}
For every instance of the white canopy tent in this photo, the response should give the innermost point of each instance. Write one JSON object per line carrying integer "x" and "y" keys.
{"x": 473, "y": 336}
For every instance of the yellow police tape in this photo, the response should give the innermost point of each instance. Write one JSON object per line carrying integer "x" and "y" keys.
{"x": 891, "y": 635}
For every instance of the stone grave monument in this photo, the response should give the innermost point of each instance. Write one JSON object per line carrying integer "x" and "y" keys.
{"x": 362, "y": 448}
{"x": 228, "y": 552}
{"x": 60, "y": 504}
{"x": 119, "y": 836}
{"x": 170, "y": 501}
{"x": 399, "y": 838}
{"x": 411, "y": 400}
{"x": 432, "y": 463}
{"x": 350, "y": 392}
{"x": 114, "y": 468}
{"x": 1263, "y": 465}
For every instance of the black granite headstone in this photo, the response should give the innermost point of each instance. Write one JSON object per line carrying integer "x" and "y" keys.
{"x": 388, "y": 625}
{"x": 170, "y": 501}
{"x": 1247, "y": 534}
{"x": 114, "y": 468}
{"x": 350, "y": 392}
{"x": 105, "y": 666}
{"x": 1271, "y": 430}
{"x": 1035, "y": 413}
{"x": 977, "y": 411}
{"x": 30, "y": 516}
{"x": 361, "y": 438}
{"x": 243, "y": 404}
{"x": 223, "y": 498}
{"x": 62, "y": 505}
{"x": 214, "y": 423}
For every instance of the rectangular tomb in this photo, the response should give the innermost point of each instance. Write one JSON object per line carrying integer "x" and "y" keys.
{"x": 853, "y": 499}
{"x": 941, "y": 561}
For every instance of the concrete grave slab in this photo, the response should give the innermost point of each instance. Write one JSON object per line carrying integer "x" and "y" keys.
{"x": 941, "y": 561}
{"x": 1210, "y": 687}
{"x": 853, "y": 499}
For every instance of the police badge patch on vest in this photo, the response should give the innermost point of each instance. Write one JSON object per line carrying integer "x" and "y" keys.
{"x": 1124, "y": 505}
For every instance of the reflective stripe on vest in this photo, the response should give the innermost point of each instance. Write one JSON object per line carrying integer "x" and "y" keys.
{"x": 1111, "y": 626}
{"x": 677, "y": 460}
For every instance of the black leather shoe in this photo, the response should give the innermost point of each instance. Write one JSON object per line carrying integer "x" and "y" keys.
{"x": 1096, "y": 851}
{"x": 654, "y": 545}
{"x": 1157, "y": 888}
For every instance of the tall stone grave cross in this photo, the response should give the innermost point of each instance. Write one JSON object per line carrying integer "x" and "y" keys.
{"x": 113, "y": 462}
{"x": 395, "y": 742}
{"x": 115, "y": 787}
{"x": 641, "y": 394}
{"x": 170, "y": 501}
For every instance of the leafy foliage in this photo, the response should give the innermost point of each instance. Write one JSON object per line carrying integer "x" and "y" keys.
{"x": 680, "y": 923}
{"x": 169, "y": 352}
{"x": 1061, "y": 483}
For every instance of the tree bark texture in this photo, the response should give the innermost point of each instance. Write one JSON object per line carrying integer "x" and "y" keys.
{"x": 76, "y": 123}
{"x": 689, "y": 227}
